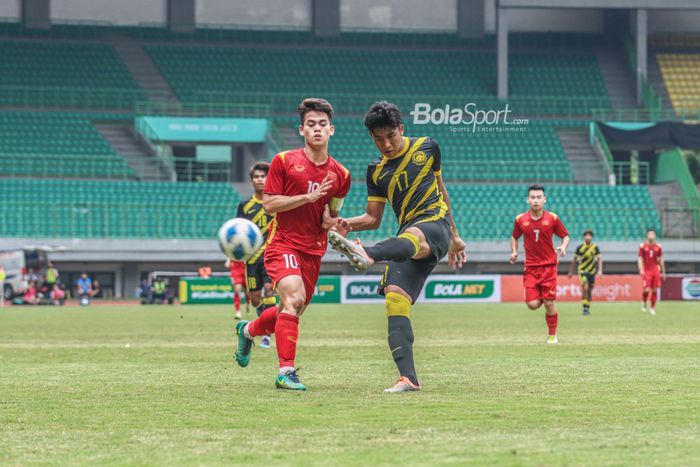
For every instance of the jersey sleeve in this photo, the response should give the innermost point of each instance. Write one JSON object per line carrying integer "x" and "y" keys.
{"x": 274, "y": 184}
{"x": 517, "y": 231}
{"x": 374, "y": 192}
{"x": 577, "y": 253}
{"x": 559, "y": 228}
{"x": 336, "y": 202}
{"x": 597, "y": 251}
{"x": 641, "y": 250}
{"x": 437, "y": 157}
{"x": 239, "y": 211}
{"x": 661, "y": 252}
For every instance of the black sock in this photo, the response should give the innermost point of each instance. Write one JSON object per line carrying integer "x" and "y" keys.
{"x": 395, "y": 249}
{"x": 401, "y": 345}
{"x": 260, "y": 308}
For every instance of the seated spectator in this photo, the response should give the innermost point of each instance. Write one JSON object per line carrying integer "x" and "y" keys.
{"x": 30, "y": 296}
{"x": 96, "y": 289}
{"x": 159, "y": 291}
{"x": 144, "y": 292}
{"x": 84, "y": 289}
{"x": 58, "y": 295}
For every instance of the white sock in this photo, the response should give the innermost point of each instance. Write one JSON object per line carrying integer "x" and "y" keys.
{"x": 285, "y": 369}
{"x": 245, "y": 331}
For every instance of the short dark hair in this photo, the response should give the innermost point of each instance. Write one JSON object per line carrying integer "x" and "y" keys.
{"x": 651, "y": 229}
{"x": 314, "y": 104}
{"x": 588, "y": 232}
{"x": 259, "y": 166}
{"x": 535, "y": 187}
{"x": 383, "y": 114}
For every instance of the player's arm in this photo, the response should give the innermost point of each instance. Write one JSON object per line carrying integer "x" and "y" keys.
{"x": 573, "y": 265}
{"x": 599, "y": 258}
{"x": 513, "y": 250}
{"x": 457, "y": 253}
{"x": 371, "y": 219}
{"x": 273, "y": 203}
{"x": 640, "y": 262}
{"x": 517, "y": 232}
{"x": 662, "y": 265}
{"x": 562, "y": 233}
{"x": 564, "y": 245}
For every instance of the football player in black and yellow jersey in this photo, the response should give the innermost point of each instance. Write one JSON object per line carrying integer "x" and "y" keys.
{"x": 590, "y": 265}
{"x": 407, "y": 176}
{"x": 262, "y": 295}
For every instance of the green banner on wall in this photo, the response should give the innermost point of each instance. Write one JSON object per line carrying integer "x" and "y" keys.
{"x": 200, "y": 291}
{"x": 327, "y": 290}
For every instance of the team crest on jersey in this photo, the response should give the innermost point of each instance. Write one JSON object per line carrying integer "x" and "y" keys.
{"x": 545, "y": 222}
{"x": 299, "y": 168}
{"x": 419, "y": 158}
{"x": 331, "y": 176}
{"x": 526, "y": 223}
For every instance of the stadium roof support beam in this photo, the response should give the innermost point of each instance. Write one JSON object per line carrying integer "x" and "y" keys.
{"x": 604, "y": 4}
{"x": 502, "y": 52}
{"x": 36, "y": 14}
{"x": 181, "y": 15}
{"x": 640, "y": 42}
{"x": 325, "y": 18}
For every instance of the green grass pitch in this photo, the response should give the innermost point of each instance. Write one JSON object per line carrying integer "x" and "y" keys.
{"x": 158, "y": 385}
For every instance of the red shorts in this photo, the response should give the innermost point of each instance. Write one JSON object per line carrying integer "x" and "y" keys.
{"x": 651, "y": 280}
{"x": 283, "y": 260}
{"x": 540, "y": 282}
{"x": 238, "y": 272}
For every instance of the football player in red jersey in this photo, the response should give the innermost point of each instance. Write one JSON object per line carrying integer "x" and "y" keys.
{"x": 300, "y": 186}
{"x": 540, "y": 275}
{"x": 651, "y": 268}
{"x": 237, "y": 269}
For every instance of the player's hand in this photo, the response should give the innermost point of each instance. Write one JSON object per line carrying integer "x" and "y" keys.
{"x": 457, "y": 254}
{"x": 326, "y": 220}
{"x": 561, "y": 251}
{"x": 513, "y": 257}
{"x": 600, "y": 274}
{"x": 321, "y": 190}
{"x": 663, "y": 276}
{"x": 569, "y": 276}
{"x": 342, "y": 226}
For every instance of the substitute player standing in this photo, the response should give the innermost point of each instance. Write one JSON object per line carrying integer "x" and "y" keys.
{"x": 590, "y": 265}
{"x": 540, "y": 274}
{"x": 408, "y": 176}
{"x": 652, "y": 269}
{"x": 300, "y": 185}
{"x": 258, "y": 282}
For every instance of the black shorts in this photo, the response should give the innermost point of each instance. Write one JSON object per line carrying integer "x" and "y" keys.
{"x": 587, "y": 277}
{"x": 411, "y": 274}
{"x": 256, "y": 276}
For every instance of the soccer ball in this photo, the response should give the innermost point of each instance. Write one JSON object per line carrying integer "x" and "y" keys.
{"x": 239, "y": 239}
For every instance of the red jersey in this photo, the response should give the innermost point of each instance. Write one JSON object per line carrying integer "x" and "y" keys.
{"x": 650, "y": 255}
{"x": 539, "y": 235}
{"x": 292, "y": 173}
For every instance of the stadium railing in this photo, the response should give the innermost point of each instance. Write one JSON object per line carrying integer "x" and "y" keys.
{"x": 190, "y": 220}
{"x": 202, "y": 109}
{"x": 355, "y": 104}
{"x": 70, "y": 97}
{"x": 111, "y": 168}
{"x": 644, "y": 115}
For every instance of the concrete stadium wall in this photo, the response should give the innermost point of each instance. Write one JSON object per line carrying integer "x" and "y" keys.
{"x": 257, "y": 13}
{"x": 674, "y": 21}
{"x": 123, "y": 12}
{"x": 399, "y": 14}
{"x": 10, "y": 9}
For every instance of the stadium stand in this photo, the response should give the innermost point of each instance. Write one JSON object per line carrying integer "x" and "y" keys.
{"x": 35, "y": 72}
{"x": 472, "y": 156}
{"x": 128, "y": 209}
{"x": 486, "y": 211}
{"x": 680, "y": 73}
{"x": 57, "y": 144}
{"x": 210, "y": 73}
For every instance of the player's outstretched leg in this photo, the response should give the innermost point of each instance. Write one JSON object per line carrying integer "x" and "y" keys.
{"x": 400, "y": 338}
{"x": 268, "y": 302}
{"x": 552, "y": 318}
{"x": 247, "y": 330}
{"x": 400, "y": 248}
{"x": 291, "y": 290}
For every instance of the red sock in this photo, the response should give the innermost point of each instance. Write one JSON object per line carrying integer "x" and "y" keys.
{"x": 265, "y": 324}
{"x": 286, "y": 334}
{"x": 653, "y": 299}
{"x": 552, "y": 323}
{"x": 237, "y": 301}
{"x": 645, "y": 296}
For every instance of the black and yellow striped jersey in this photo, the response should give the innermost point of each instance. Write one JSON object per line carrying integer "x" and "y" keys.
{"x": 252, "y": 209}
{"x": 587, "y": 257}
{"x": 409, "y": 182}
